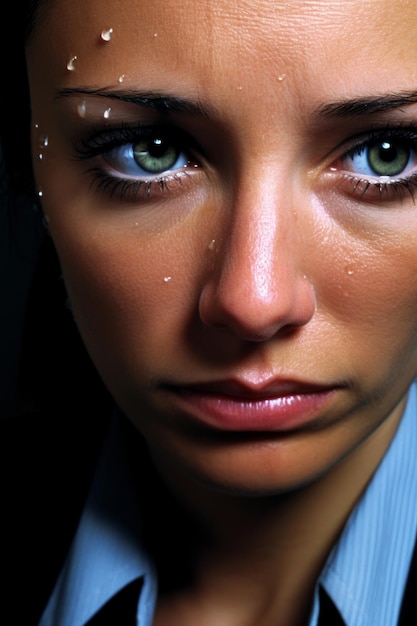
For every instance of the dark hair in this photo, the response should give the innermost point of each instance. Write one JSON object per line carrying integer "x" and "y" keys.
{"x": 36, "y": 319}
{"x": 15, "y": 113}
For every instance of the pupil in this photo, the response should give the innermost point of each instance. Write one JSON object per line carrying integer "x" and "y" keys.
{"x": 157, "y": 147}
{"x": 387, "y": 152}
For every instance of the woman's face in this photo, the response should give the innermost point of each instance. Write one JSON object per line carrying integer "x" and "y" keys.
{"x": 231, "y": 190}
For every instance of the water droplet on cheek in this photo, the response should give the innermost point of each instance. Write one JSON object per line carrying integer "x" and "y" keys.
{"x": 212, "y": 245}
{"x": 43, "y": 142}
{"x": 349, "y": 270}
{"x": 106, "y": 34}
{"x": 71, "y": 64}
{"x": 282, "y": 77}
{"x": 167, "y": 279}
{"x": 121, "y": 78}
{"x": 82, "y": 109}
{"x": 106, "y": 113}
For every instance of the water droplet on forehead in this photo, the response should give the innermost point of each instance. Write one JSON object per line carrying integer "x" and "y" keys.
{"x": 71, "y": 64}
{"x": 82, "y": 109}
{"x": 106, "y": 34}
{"x": 155, "y": 34}
{"x": 282, "y": 77}
{"x": 106, "y": 113}
{"x": 167, "y": 279}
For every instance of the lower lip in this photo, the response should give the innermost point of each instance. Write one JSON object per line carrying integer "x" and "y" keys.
{"x": 229, "y": 413}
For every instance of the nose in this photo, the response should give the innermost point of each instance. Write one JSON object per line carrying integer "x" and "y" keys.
{"x": 258, "y": 287}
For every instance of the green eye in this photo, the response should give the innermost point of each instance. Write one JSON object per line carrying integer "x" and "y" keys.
{"x": 156, "y": 154}
{"x": 387, "y": 158}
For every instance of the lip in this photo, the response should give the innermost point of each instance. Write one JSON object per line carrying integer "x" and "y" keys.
{"x": 234, "y": 405}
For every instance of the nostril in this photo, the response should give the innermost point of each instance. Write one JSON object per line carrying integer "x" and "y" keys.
{"x": 244, "y": 313}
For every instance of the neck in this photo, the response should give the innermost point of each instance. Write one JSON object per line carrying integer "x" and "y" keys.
{"x": 257, "y": 559}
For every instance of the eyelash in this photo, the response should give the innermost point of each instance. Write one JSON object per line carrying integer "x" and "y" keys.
{"x": 139, "y": 187}
{"x": 101, "y": 144}
{"x": 382, "y": 188}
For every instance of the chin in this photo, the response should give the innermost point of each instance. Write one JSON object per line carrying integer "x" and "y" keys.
{"x": 250, "y": 470}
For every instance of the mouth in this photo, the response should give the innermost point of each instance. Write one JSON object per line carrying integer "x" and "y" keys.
{"x": 277, "y": 405}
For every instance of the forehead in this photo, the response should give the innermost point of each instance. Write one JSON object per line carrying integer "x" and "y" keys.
{"x": 336, "y": 43}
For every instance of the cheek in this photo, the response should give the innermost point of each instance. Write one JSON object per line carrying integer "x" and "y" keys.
{"x": 370, "y": 295}
{"x": 377, "y": 288}
{"x": 131, "y": 297}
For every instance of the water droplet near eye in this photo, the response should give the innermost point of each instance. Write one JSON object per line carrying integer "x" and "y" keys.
{"x": 106, "y": 34}
{"x": 82, "y": 109}
{"x": 71, "y": 64}
{"x": 282, "y": 77}
{"x": 121, "y": 78}
{"x": 106, "y": 113}
{"x": 167, "y": 279}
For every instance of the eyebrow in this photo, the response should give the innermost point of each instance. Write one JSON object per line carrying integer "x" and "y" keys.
{"x": 364, "y": 106}
{"x": 167, "y": 103}
{"x": 163, "y": 103}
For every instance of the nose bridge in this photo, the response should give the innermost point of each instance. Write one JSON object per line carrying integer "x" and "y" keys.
{"x": 259, "y": 285}
{"x": 253, "y": 247}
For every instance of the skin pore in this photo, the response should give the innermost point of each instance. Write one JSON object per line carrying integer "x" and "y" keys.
{"x": 265, "y": 255}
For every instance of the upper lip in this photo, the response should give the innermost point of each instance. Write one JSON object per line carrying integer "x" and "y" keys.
{"x": 245, "y": 389}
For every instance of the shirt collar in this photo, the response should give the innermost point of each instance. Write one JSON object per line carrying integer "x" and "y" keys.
{"x": 366, "y": 572}
{"x": 107, "y": 552}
